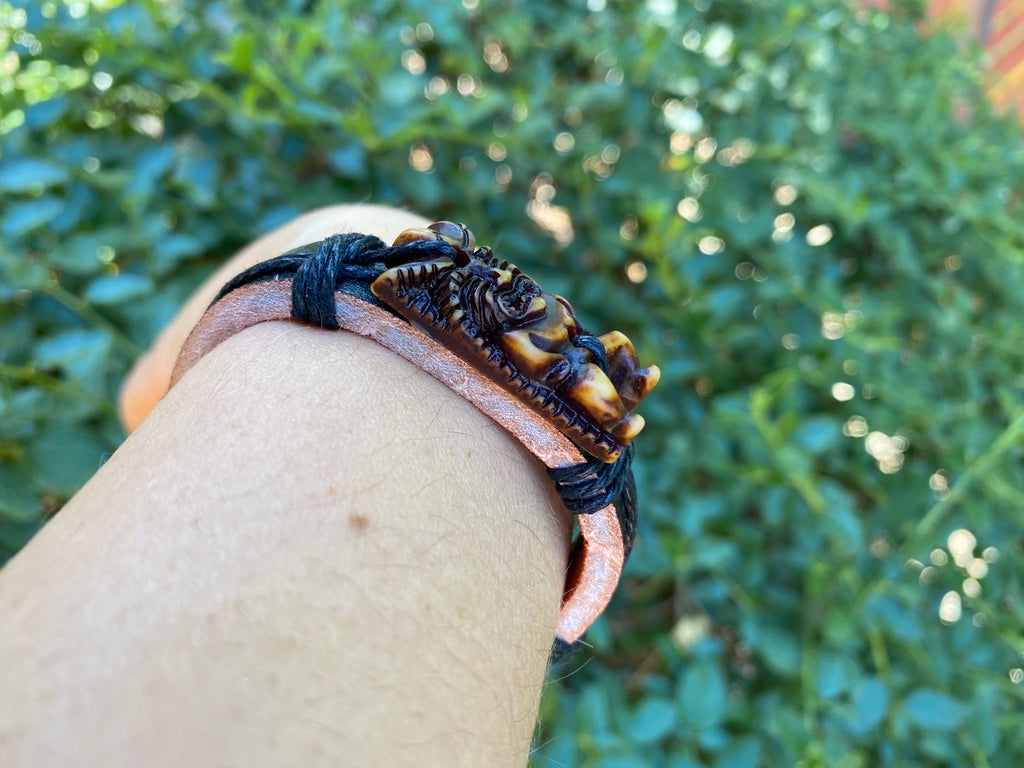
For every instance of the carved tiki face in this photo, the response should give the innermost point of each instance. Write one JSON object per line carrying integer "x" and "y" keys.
{"x": 524, "y": 339}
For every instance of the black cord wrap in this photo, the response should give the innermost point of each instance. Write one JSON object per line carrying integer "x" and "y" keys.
{"x": 347, "y": 263}
{"x": 350, "y": 263}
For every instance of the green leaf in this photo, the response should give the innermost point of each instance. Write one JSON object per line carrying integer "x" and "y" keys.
{"x": 173, "y": 248}
{"x": 239, "y": 55}
{"x": 984, "y": 722}
{"x": 148, "y": 168}
{"x": 779, "y": 649}
{"x": 114, "y": 289}
{"x": 72, "y": 349}
{"x": 831, "y": 677}
{"x": 27, "y": 215}
{"x": 18, "y": 502}
{"x": 14, "y": 535}
{"x": 888, "y": 613}
{"x": 46, "y": 113}
{"x": 22, "y": 174}
{"x": 818, "y": 434}
{"x": 26, "y": 273}
{"x": 623, "y": 762}
{"x": 78, "y": 254}
{"x": 702, "y": 695}
{"x": 651, "y": 721}
{"x": 350, "y": 160}
{"x": 870, "y": 703}
{"x": 741, "y": 753}
{"x": 61, "y": 458}
{"x": 934, "y": 710}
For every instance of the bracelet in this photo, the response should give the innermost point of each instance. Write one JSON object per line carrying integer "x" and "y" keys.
{"x": 488, "y": 332}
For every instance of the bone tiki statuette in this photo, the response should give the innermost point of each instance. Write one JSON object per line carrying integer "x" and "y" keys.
{"x": 527, "y": 341}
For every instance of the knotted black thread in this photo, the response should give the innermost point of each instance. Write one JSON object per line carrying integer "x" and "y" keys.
{"x": 561, "y": 650}
{"x": 319, "y": 276}
{"x": 592, "y": 485}
{"x": 349, "y": 263}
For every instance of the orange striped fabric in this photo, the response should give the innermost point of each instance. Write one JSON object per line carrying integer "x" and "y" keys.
{"x": 999, "y": 26}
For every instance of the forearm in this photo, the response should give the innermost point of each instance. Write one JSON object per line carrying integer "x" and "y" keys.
{"x": 223, "y": 589}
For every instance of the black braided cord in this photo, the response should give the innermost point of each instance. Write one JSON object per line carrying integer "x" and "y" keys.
{"x": 350, "y": 263}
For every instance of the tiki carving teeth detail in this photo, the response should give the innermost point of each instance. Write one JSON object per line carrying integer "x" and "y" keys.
{"x": 526, "y": 340}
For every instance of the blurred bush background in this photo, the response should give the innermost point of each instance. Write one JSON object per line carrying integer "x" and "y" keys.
{"x": 807, "y": 214}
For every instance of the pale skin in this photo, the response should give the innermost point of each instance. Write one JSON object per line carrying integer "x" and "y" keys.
{"x": 309, "y": 553}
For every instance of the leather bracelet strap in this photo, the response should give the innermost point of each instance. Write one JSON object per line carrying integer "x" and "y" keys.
{"x": 336, "y": 284}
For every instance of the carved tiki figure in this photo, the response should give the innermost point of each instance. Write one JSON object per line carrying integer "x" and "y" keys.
{"x": 522, "y": 338}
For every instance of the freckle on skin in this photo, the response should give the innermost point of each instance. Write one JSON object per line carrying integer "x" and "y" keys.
{"x": 358, "y": 522}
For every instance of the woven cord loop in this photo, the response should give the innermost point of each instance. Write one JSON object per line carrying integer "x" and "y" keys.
{"x": 314, "y": 284}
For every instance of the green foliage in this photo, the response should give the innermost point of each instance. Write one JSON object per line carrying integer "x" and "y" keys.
{"x": 807, "y": 215}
